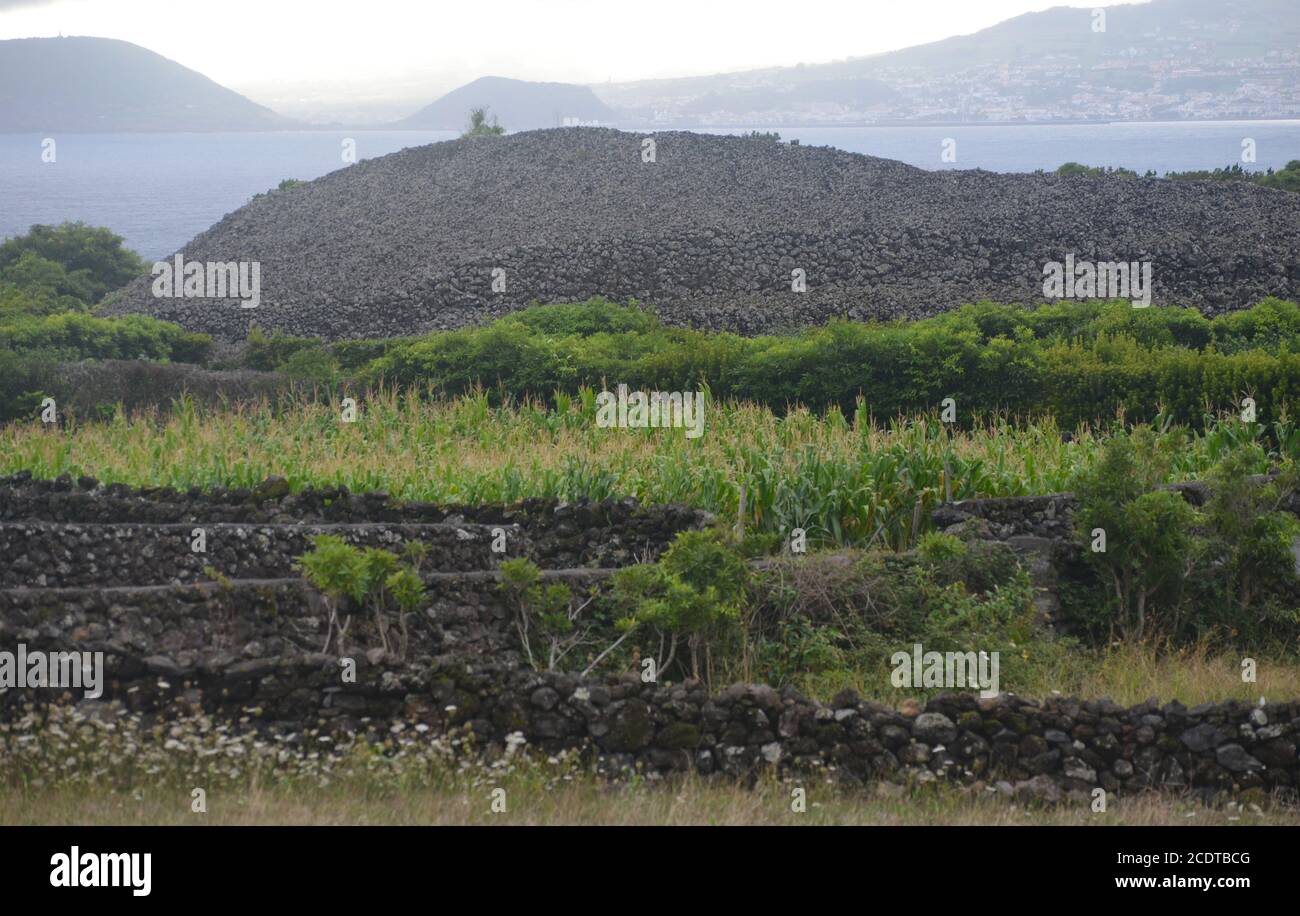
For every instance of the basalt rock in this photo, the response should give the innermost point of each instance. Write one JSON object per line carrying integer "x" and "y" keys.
{"x": 252, "y": 651}
{"x": 710, "y": 232}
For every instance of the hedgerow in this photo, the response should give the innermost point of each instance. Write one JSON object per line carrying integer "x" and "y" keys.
{"x": 1079, "y": 361}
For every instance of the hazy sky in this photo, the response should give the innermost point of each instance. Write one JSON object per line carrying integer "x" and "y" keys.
{"x": 258, "y": 43}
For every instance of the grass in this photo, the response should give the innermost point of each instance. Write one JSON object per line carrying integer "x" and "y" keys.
{"x": 844, "y": 480}
{"x": 589, "y": 801}
{"x": 1126, "y": 673}
{"x": 1131, "y": 674}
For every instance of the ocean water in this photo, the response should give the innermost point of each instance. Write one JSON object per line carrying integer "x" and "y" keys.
{"x": 1160, "y": 146}
{"x": 158, "y": 191}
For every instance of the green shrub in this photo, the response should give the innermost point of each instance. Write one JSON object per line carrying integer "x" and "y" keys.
{"x": 550, "y": 625}
{"x": 312, "y": 365}
{"x": 1248, "y": 589}
{"x": 79, "y": 336}
{"x": 824, "y": 622}
{"x": 25, "y": 380}
{"x": 479, "y": 126}
{"x": 1287, "y": 179}
{"x": 354, "y": 354}
{"x": 84, "y": 262}
{"x": 267, "y": 353}
{"x": 1080, "y": 361}
{"x": 1147, "y": 531}
{"x": 694, "y": 595}
{"x": 1173, "y": 571}
{"x": 370, "y": 578}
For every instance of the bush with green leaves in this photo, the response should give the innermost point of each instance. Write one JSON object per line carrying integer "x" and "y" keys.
{"x": 1077, "y": 361}
{"x": 479, "y": 125}
{"x": 1080, "y": 362}
{"x": 1285, "y": 179}
{"x": 1248, "y": 589}
{"x": 828, "y": 621}
{"x": 1078, "y": 168}
{"x": 50, "y": 278}
{"x": 76, "y": 336}
{"x": 268, "y": 352}
{"x": 1171, "y": 570}
{"x": 72, "y": 260}
{"x": 693, "y": 595}
{"x": 1148, "y": 546}
{"x": 354, "y": 578}
{"x": 548, "y": 614}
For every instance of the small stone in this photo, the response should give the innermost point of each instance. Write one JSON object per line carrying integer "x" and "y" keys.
{"x": 934, "y": 727}
{"x": 544, "y": 698}
{"x": 1203, "y": 738}
{"x": 1234, "y": 757}
{"x": 1077, "y": 769}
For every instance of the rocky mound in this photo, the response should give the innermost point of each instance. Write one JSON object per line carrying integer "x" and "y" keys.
{"x": 709, "y": 232}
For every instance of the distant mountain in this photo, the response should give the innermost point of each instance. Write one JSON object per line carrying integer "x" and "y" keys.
{"x": 1166, "y": 59}
{"x": 94, "y": 85}
{"x": 516, "y": 104}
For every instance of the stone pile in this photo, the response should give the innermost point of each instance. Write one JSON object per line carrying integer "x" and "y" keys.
{"x": 710, "y": 233}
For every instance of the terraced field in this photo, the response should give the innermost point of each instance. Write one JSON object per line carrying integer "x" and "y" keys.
{"x": 235, "y": 635}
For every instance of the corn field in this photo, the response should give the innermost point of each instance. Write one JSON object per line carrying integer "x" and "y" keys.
{"x": 845, "y": 481}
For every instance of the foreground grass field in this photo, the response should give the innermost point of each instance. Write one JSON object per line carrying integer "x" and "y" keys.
{"x": 591, "y": 802}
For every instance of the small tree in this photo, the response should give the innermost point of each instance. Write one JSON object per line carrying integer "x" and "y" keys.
{"x": 90, "y": 261}
{"x": 1149, "y": 546}
{"x": 1249, "y": 537}
{"x": 369, "y": 578}
{"x": 548, "y": 612}
{"x": 332, "y": 566}
{"x": 693, "y": 593}
{"x": 478, "y": 125}
{"x": 407, "y": 590}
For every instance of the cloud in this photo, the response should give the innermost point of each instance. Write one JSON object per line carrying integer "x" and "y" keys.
{"x": 6, "y": 5}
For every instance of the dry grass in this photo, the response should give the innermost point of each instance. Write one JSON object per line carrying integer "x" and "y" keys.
{"x": 1129, "y": 674}
{"x": 587, "y": 801}
{"x": 66, "y": 768}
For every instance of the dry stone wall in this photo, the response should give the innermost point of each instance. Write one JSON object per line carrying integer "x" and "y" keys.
{"x": 251, "y": 651}
{"x": 1058, "y": 749}
{"x": 45, "y": 515}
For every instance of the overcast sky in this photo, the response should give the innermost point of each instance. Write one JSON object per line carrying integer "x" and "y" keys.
{"x": 246, "y": 43}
